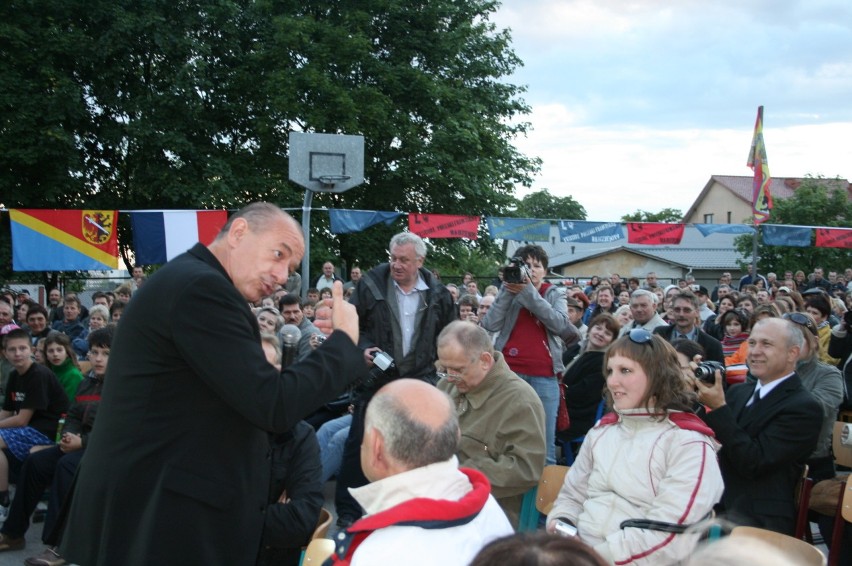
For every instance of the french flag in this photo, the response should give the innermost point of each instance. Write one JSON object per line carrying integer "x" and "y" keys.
{"x": 160, "y": 235}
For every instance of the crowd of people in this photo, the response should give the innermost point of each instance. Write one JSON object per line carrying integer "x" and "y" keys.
{"x": 435, "y": 405}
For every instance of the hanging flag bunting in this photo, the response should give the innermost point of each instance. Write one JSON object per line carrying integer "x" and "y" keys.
{"x": 654, "y": 233}
{"x": 707, "y": 229}
{"x": 834, "y": 238}
{"x": 160, "y": 235}
{"x": 761, "y": 201}
{"x": 519, "y": 229}
{"x": 347, "y": 221}
{"x": 794, "y": 236}
{"x": 63, "y": 240}
{"x": 571, "y": 231}
{"x": 444, "y": 226}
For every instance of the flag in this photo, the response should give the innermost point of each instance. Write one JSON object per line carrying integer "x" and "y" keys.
{"x": 654, "y": 233}
{"x": 160, "y": 235}
{"x": 780, "y": 235}
{"x": 444, "y": 226}
{"x": 761, "y": 199}
{"x": 834, "y": 238}
{"x": 520, "y": 229}
{"x": 346, "y": 221}
{"x": 63, "y": 240}
{"x": 707, "y": 229}
{"x": 571, "y": 231}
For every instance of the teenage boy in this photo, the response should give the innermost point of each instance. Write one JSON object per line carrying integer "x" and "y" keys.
{"x": 32, "y": 407}
{"x": 71, "y": 325}
{"x": 56, "y": 465}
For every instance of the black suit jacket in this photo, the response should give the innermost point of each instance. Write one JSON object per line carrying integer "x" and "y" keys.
{"x": 177, "y": 470}
{"x": 763, "y": 450}
{"x": 712, "y": 347}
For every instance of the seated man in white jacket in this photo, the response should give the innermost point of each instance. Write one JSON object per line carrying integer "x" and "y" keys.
{"x": 421, "y": 507}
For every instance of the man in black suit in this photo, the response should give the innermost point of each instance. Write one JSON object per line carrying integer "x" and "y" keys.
{"x": 767, "y": 430}
{"x": 177, "y": 470}
{"x": 685, "y": 312}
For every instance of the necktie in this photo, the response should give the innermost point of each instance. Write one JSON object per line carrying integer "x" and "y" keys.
{"x": 754, "y": 398}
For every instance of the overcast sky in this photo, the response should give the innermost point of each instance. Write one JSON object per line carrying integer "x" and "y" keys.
{"x": 635, "y": 104}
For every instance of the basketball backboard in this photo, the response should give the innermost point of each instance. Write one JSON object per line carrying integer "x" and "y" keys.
{"x": 326, "y": 163}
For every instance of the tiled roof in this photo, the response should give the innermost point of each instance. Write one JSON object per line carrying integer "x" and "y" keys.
{"x": 780, "y": 188}
{"x": 716, "y": 251}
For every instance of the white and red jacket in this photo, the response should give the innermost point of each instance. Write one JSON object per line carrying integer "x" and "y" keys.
{"x": 437, "y": 514}
{"x": 634, "y": 467}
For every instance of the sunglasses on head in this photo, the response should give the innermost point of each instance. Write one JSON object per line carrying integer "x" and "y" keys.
{"x": 802, "y": 320}
{"x": 640, "y": 336}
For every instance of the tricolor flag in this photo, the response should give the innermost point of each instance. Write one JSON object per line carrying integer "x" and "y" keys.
{"x": 160, "y": 235}
{"x": 761, "y": 199}
{"x": 63, "y": 240}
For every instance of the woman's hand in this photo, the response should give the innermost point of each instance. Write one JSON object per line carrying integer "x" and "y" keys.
{"x": 70, "y": 442}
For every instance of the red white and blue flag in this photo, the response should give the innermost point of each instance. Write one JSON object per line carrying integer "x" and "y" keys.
{"x": 160, "y": 235}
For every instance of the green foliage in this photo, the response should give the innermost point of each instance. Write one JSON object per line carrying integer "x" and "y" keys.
{"x": 665, "y": 215}
{"x": 542, "y": 204}
{"x": 134, "y": 105}
{"x": 816, "y": 202}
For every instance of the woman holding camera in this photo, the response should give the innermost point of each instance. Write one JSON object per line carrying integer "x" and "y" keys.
{"x": 531, "y": 317}
{"x": 646, "y": 471}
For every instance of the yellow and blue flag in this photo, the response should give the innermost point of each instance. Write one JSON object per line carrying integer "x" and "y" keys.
{"x": 64, "y": 240}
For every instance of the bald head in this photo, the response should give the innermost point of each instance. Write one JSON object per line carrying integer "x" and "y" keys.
{"x": 409, "y": 424}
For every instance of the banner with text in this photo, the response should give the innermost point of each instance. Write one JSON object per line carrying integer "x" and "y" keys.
{"x": 520, "y": 229}
{"x": 571, "y": 231}
{"x": 834, "y": 238}
{"x": 654, "y": 233}
{"x": 444, "y": 226}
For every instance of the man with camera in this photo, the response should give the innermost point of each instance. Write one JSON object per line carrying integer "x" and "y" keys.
{"x": 402, "y": 309}
{"x": 767, "y": 428}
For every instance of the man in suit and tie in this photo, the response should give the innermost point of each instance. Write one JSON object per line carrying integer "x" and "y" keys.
{"x": 686, "y": 326}
{"x": 767, "y": 429}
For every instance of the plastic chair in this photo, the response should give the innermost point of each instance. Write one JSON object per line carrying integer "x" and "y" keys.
{"x": 803, "y": 499}
{"x": 569, "y": 445}
{"x": 540, "y": 498}
{"x": 804, "y": 553}
{"x": 318, "y": 551}
{"x": 323, "y": 524}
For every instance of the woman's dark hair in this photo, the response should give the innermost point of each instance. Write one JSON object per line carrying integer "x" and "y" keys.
{"x": 537, "y": 549}
{"x": 741, "y": 315}
{"x": 688, "y": 348}
{"x": 607, "y": 321}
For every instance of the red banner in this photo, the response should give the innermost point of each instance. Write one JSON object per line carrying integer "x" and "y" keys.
{"x": 833, "y": 238}
{"x": 654, "y": 233}
{"x": 443, "y": 226}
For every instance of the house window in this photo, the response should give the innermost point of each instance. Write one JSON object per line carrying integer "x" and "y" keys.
{"x": 708, "y": 218}
{"x": 729, "y": 217}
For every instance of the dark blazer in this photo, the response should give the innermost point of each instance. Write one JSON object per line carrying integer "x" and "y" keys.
{"x": 712, "y": 347}
{"x": 584, "y": 383}
{"x": 763, "y": 450}
{"x": 177, "y": 470}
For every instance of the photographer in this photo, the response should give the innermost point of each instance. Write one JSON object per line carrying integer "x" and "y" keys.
{"x": 532, "y": 319}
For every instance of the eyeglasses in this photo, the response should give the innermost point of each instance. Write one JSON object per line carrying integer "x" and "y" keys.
{"x": 451, "y": 373}
{"x": 802, "y": 320}
{"x": 640, "y": 336}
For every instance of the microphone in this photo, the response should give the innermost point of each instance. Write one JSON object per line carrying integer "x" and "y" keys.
{"x": 290, "y": 336}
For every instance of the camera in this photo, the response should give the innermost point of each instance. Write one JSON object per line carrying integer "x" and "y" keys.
{"x": 516, "y": 271}
{"x": 383, "y": 361}
{"x": 706, "y": 372}
{"x": 565, "y": 529}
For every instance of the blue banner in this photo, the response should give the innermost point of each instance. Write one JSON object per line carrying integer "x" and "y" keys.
{"x": 589, "y": 232}
{"x": 795, "y": 236}
{"x": 346, "y": 221}
{"x": 520, "y": 229}
{"x": 707, "y": 229}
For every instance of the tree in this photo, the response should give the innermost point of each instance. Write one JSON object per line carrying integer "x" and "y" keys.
{"x": 188, "y": 105}
{"x": 816, "y": 202}
{"x": 665, "y": 215}
{"x": 542, "y": 204}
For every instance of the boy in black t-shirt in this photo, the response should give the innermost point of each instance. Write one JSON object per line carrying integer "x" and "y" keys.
{"x": 32, "y": 407}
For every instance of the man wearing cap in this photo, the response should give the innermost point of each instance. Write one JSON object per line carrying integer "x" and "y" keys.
{"x": 704, "y": 311}
{"x": 577, "y": 306}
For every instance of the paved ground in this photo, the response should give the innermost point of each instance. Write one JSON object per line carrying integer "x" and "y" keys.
{"x": 34, "y": 546}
